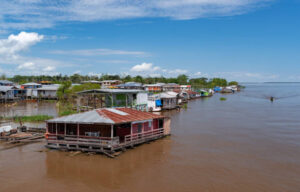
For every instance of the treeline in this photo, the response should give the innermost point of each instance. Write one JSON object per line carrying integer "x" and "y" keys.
{"x": 76, "y": 78}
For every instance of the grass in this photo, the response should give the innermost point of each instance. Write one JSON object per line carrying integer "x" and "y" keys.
{"x": 223, "y": 99}
{"x": 66, "y": 112}
{"x": 33, "y": 118}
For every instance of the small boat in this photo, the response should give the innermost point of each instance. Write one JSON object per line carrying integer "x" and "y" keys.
{"x": 5, "y": 129}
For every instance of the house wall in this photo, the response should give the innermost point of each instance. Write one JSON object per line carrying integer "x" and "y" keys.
{"x": 142, "y": 98}
{"x": 71, "y": 129}
{"x": 142, "y": 127}
{"x": 47, "y": 93}
{"x": 169, "y": 103}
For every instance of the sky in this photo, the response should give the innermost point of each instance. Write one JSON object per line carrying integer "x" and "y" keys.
{"x": 243, "y": 40}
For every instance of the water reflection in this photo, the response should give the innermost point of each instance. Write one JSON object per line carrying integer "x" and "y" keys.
{"x": 29, "y": 108}
{"x": 102, "y": 172}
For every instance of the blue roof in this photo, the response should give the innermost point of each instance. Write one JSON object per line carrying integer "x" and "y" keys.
{"x": 130, "y": 84}
{"x": 5, "y": 82}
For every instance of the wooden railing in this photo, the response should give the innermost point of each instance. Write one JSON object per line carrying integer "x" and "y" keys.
{"x": 84, "y": 140}
{"x": 105, "y": 141}
{"x": 143, "y": 137}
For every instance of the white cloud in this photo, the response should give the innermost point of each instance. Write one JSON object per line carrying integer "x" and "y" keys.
{"x": 14, "y": 44}
{"x": 49, "y": 69}
{"x": 27, "y": 66}
{"x": 198, "y": 73}
{"x": 178, "y": 71}
{"x": 144, "y": 67}
{"x": 95, "y": 52}
{"x": 11, "y": 50}
{"x": 148, "y": 69}
{"x": 40, "y": 14}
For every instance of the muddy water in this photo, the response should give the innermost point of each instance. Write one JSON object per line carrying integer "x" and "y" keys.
{"x": 243, "y": 144}
{"x": 28, "y": 109}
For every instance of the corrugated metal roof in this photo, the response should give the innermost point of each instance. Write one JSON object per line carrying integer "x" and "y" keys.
{"x": 6, "y": 82}
{"x": 6, "y": 88}
{"x": 133, "y": 115}
{"x": 112, "y": 91}
{"x": 107, "y": 116}
{"x": 32, "y": 83}
{"x": 86, "y": 117}
{"x": 49, "y": 88}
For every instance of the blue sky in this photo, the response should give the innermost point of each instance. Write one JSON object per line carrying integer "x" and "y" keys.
{"x": 244, "y": 40}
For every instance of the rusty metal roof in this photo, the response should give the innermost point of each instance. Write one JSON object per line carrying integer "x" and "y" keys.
{"x": 107, "y": 116}
{"x": 132, "y": 115}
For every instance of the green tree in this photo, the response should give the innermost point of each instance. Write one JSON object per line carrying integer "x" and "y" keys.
{"x": 3, "y": 77}
{"x": 63, "y": 91}
{"x": 182, "y": 79}
{"x": 233, "y": 83}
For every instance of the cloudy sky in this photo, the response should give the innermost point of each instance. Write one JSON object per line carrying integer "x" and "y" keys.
{"x": 244, "y": 40}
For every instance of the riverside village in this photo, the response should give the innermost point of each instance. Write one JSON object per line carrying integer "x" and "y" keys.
{"x": 105, "y": 115}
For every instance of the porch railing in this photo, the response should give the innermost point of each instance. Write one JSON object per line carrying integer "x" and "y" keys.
{"x": 84, "y": 140}
{"x": 143, "y": 137}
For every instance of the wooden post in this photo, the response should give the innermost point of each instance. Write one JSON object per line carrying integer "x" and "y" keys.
{"x": 112, "y": 101}
{"x": 78, "y": 130}
{"x": 131, "y": 132}
{"x": 65, "y": 129}
{"x": 112, "y": 131}
{"x": 56, "y": 129}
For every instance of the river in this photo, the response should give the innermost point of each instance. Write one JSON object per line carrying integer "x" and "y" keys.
{"x": 245, "y": 143}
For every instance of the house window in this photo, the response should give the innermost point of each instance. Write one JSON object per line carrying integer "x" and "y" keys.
{"x": 160, "y": 123}
{"x": 150, "y": 124}
{"x": 92, "y": 134}
{"x": 140, "y": 126}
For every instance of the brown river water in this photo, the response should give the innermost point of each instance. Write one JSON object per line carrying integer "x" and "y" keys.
{"x": 245, "y": 143}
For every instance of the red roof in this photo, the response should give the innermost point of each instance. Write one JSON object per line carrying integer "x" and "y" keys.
{"x": 129, "y": 115}
{"x": 191, "y": 92}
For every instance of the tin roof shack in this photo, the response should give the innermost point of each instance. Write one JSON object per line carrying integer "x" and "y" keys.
{"x": 6, "y": 83}
{"x": 110, "y": 83}
{"x": 171, "y": 87}
{"x": 31, "y": 89}
{"x": 168, "y": 101}
{"x": 47, "y": 92}
{"x": 158, "y": 87}
{"x": 185, "y": 87}
{"x": 114, "y": 98}
{"x": 131, "y": 85}
{"x": 193, "y": 94}
{"x": 105, "y": 130}
{"x": 7, "y": 93}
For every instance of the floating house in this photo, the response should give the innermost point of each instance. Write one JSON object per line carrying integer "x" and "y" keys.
{"x": 7, "y": 93}
{"x": 114, "y": 98}
{"x": 154, "y": 103}
{"x": 193, "y": 94}
{"x": 131, "y": 85}
{"x": 105, "y": 130}
{"x": 110, "y": 83}
{"x": 185, "y": 87}
{"x": 158, "y": 87}
{"x": 6, "y": 83}
{"x": 31, "y": 89}
{"x": 171, "y": 87}
{"x": 167, "y": 101}
{"x": 47, "y": 91}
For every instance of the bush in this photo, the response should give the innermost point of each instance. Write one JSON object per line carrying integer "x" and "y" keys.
{"x": 33, "y": 118}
